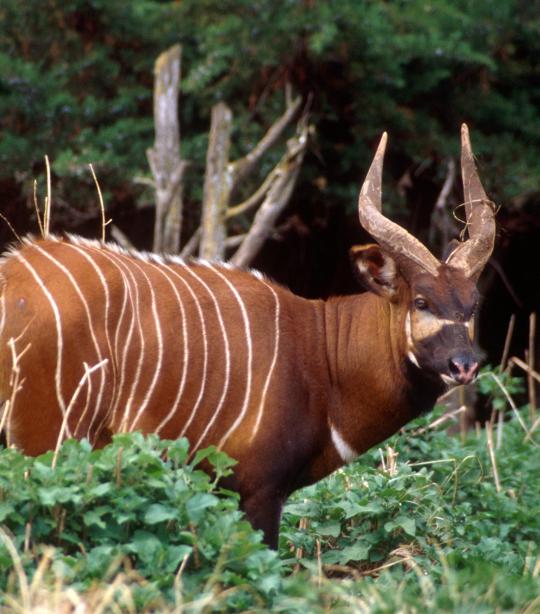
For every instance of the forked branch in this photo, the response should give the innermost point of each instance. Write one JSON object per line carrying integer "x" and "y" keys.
{"x": 281, "y": 184}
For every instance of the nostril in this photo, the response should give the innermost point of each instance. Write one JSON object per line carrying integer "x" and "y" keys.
{"x": 462, "y": 369}
{"x": 473, "y": 370}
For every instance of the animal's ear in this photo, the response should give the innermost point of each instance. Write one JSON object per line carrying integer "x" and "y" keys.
{"x": 375, "y": 269}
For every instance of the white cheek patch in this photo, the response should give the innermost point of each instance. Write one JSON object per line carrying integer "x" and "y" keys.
{"x": 419, "y": 326}
{"x": 408, "y": 332}
{"x": 410, "y": 345}
{"x": 469, "y": 325}
{"x": 426, "y": 325}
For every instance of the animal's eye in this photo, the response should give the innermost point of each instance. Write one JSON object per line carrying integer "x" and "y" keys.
{"x": 421, "y": 303}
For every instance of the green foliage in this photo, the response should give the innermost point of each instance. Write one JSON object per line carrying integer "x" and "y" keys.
{"x": 130, "y": 504}
{"x": 498, "y": 386}
{"x": 429, "y": 530}
{"x": 435, "y": 523}
{"x": 76, "y": 84}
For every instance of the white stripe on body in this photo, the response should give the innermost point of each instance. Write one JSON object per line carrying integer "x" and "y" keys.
{"x": 137, "y": 319}
{"x": 159, "y": 362}
{"x": 120, "y": 361}
{"x": 86, "y": 308}
{"x": 227, "y": 359}
{"x": 132, "y": 291}
{"x": 205, "y": 351}
{"x": 84, "y": 253}
{"x": 249, "y": 365}
{"x": 272, "y": 364}
{"x": 59, "y": 337}
{"x": 185, "y": 353}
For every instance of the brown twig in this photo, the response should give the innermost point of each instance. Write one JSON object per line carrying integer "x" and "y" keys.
{"x": 507, "y": 341}
{"x": 2, "y": 216}
{"x": 523, "y": 365}
{"x": 531, "y": 362}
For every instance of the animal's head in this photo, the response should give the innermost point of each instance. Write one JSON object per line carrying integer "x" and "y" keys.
{"x": 440, "y": 298}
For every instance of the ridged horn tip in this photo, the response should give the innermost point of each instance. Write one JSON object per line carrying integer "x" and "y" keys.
{"x": 374, "y": 174}
{"x": 382, "y": 145}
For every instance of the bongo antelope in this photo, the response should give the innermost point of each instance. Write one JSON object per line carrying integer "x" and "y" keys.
{"x": 96, "y": 340}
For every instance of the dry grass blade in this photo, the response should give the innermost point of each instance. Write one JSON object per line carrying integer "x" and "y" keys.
{"x": 533, "y": 428}
{"x": 38, "y": 214}
{"x": 65, "y": 425}
{"x": 104, "y": 221}
{"x": 441, "y": 420}
{"x": 491, "y": 450}
{"x": 15, "y": 383}
{"x": 507, "y": 396}
{"x": 48, "y": 201}
{"x": 24, "y": 587}
{"x": 523, "y": 365}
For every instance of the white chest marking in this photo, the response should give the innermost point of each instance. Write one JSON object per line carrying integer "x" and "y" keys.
{"x": 346, "y": 453}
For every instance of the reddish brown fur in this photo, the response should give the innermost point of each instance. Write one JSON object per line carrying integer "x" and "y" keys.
{"x": 342, "y": 363}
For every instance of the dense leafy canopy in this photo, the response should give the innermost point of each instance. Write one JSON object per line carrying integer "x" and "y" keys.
{"x": 76, "y": 84}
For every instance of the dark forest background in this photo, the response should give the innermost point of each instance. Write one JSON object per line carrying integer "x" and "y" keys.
{"x": 76, "y": 84}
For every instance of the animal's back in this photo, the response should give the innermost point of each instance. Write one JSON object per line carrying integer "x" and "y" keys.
{"x": 95, "y": 340}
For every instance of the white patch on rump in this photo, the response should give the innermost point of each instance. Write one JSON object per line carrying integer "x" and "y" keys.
{"x": 345, "y": 451}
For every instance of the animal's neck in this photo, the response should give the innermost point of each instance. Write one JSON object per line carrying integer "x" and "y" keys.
{"x": 376, "y": 389}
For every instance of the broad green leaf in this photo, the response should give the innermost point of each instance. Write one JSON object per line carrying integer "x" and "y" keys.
{"x": 159, "y": 513}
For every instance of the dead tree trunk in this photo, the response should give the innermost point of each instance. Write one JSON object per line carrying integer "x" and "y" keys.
{"x": 164, "y": 157}
{"x": 217, "y": 184}
{"x": 222, "y": 178}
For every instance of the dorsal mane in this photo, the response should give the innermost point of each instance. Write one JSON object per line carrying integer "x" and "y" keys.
{"x": 142, "y": 255}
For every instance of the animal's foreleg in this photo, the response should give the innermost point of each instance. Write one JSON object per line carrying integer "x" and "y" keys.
{"x": 263, "y": 510}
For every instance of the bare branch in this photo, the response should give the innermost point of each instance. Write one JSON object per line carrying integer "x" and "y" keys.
{"x": 191, "y": 246}
{"x": 447, "y": 185}
{"x": 145, "y": 181}
{"x": 255, "y": 198}
{"x": 244, "y": 166}
{"x": 121, "y": 238}
{"x": 275, "y": 201}
{"x": 235, "y": 240}
{"x": 439, "y": 218}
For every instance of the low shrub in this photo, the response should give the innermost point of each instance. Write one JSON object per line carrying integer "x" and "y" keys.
{"x": 139, "y": 527}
